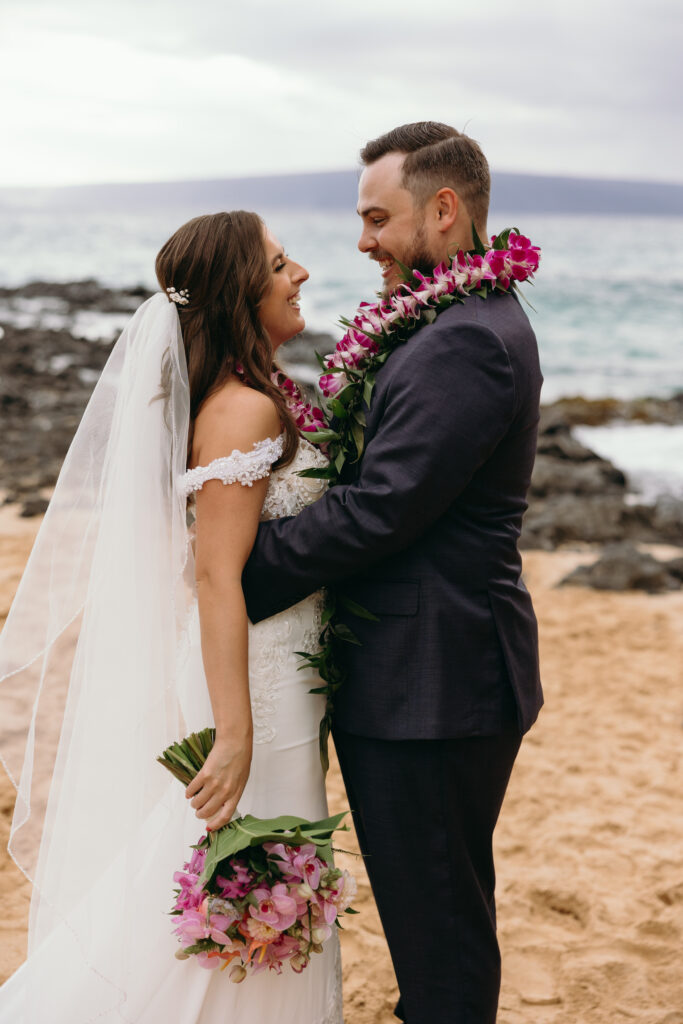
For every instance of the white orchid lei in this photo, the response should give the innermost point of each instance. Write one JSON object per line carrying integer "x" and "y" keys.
{"x": 349, "y": 378}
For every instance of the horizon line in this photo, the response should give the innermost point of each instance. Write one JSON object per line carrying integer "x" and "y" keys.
{"x": 261, "y": 176}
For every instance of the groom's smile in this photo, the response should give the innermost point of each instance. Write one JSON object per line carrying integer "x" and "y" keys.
{"x": 386, "y": 262}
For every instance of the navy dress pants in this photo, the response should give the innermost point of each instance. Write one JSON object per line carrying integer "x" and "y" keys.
{"x": 424, "y": 812}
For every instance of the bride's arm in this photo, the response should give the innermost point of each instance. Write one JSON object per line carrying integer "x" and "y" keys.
{"x": 227, "y": 521}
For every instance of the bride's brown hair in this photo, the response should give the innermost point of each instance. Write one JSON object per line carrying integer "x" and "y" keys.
{"x": 220, "y": 259}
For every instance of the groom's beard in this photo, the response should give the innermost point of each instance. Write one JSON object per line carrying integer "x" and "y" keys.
{"x": 416, "y": 257}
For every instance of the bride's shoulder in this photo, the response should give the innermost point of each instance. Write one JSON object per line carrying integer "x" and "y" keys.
{"x": 234, "y": 417}
{"x": 234, "y": 399}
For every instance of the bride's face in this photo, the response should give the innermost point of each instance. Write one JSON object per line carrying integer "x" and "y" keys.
{"x": 279, "y": 311}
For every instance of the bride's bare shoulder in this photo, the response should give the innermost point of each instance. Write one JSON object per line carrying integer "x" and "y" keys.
{"x": 232, "y": 417}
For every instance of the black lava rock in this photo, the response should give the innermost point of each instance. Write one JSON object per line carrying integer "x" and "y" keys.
{"x": 624, "y": 567}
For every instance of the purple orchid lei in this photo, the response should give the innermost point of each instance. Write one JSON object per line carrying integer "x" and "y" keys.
{"x": 308, "y": 417}
{"x": 409, "y": 308}
{"x": 379, "y": 328}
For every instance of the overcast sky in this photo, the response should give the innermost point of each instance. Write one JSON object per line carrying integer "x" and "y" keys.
{"x": 136, "y": 90}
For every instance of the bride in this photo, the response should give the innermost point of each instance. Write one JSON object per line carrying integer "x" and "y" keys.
{"x": 129, "y": 630}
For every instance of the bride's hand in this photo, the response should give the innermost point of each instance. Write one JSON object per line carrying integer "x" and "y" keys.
{"x": 217, "y": 788}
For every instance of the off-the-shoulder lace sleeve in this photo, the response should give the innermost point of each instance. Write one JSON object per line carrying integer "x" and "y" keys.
{"x": 237, "y": 467}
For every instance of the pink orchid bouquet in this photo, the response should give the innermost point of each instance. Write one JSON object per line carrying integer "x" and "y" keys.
{"x": 257, "y": 894}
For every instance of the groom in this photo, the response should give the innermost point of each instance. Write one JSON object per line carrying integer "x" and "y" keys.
{"x": 423, "y": 532}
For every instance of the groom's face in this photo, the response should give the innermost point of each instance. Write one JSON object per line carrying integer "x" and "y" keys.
{"x": 393, "y": 227}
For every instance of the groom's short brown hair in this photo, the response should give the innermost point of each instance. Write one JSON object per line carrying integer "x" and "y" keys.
{"x": 438, "y": 156}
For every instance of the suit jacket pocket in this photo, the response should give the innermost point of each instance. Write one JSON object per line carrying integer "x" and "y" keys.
{"x": 387, "y": 597}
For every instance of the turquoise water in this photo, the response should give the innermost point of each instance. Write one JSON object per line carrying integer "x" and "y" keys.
{"x": 608, "y": 300}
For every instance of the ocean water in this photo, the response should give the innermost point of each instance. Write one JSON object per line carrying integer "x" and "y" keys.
{"x": 607, "y": 301}
{"x": 650, "y": 454}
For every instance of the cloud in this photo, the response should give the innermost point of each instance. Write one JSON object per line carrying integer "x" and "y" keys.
{"x": 154, "y": 90}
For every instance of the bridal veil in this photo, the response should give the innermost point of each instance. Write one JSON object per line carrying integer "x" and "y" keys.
{"x": 90, "y": 657}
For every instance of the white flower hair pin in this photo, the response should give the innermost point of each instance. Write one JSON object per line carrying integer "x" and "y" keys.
{"x": 181, "y": 298}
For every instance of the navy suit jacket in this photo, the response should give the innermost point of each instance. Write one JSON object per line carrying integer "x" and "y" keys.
{"x": 425, "y": 535}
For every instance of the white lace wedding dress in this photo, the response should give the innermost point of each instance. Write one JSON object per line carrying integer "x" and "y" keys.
{"x": 285, "y": 778}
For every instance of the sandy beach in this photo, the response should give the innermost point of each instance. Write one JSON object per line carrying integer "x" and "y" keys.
{"x": 590, "y": 841}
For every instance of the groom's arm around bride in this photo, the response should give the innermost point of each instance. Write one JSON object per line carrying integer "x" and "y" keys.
{"x": 423, "y": 532}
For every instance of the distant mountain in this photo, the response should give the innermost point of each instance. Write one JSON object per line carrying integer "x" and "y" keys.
{"x": 532, "y": 193}
{"x": 523, "y": 193}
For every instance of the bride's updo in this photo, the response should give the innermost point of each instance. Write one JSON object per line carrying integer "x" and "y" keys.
{"x": 220, "y": 261}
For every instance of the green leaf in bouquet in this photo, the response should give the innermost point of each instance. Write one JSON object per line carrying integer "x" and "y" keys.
{"x": 325, "y": 853}
{"x": 329, "y": 825}
{"x": 185, "y": 759}
{"x": 203, "y": 946}
{"x": 208, "y": 738}
{"x": 240, "y": 833}
{"x": 178, "y": 764}
{"x": 258, "y": 861}
{"x": 243, "y": 833}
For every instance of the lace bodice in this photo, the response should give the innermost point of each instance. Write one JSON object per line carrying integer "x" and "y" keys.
{"x": 288, "y": 493}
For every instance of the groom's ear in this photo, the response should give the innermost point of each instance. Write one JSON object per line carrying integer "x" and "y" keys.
{"x": 446, "y": 204}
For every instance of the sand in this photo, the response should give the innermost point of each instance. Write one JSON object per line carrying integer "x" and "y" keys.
{"x": 590, "y": 840}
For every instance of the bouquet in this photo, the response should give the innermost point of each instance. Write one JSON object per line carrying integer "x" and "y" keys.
{"x": 258, "y": 893}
